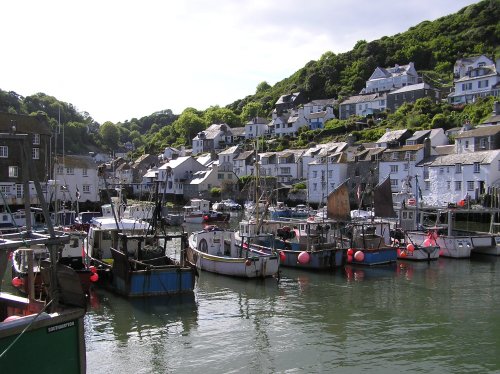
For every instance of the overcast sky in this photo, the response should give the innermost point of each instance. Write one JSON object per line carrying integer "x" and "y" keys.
{"x": 122, "y": 59}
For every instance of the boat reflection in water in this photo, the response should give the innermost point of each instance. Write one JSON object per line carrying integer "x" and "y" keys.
{"x": 123, "y": 319}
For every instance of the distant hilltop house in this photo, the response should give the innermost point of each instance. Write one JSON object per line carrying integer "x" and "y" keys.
{"x": 388, "y": 88}
{"x": 389, "y": 79}
{"x": 287, "y": 120}
{"x": 215, "y": 138}
{"x": 474, "y": 77}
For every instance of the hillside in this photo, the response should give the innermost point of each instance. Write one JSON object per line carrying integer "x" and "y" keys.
{"x": 432, "y": 46}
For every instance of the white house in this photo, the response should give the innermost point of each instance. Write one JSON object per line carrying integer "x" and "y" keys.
{"x": 317, "y": 112}
{"x": 256, "y": 127}
{"x": 244, "y": 163}
{"x": 437, "y": 136}
{"x": 227, "y": 158}
{"x": 170, "y": 153}
{"x": 400, "y": 163}
{"x": 474, "y": 77}
{"x": 318, "y": 151}
{"x": 363, "y": 105}
{"x": 450, "y": 178}
{"x": 323, "y": 177}
{"x": 481, "y": 138}
{"x": 211, "y": 139}
{"x": 175, "y": 173}
{"x": 393, "y": 138}
{"x": 387, "y": 79}
{"x": 293, "y": 124}
{"x": 75, "y": 178}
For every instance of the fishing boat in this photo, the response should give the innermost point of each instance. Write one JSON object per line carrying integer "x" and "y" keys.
{"x": 216, "y": 216}
{"x": 196, "y": 211}
{"x": 305, "y": 244}
{"x": 41, "y": 334}
{"x": 104, "y": 234}
{"x": 214, "y": 250}
{"x": 147, "y": 269}
{"x": 70, "y": 254}
{"x": 315, "y": 243}
{"x": 130, "y": 258}
{"x": 369, "y": 238}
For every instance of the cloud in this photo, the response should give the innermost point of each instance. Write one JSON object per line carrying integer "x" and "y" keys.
{"x": 123, "y": 59}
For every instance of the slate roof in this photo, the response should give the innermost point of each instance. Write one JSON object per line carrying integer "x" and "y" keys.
{"x": 324, "y": 102}
{"x": 244, "y": 155}
{"x": 411, "y": 87}
{"x": 480, "y": 131}
{"x": 483, "y": 157}
{"x": 75, "y": 161}
{"x": 24, "y": 124}
{"x": 360, "y": 99}
{"x": 391, "y": 136}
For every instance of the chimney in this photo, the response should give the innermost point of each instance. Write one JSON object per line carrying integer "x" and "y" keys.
{"x": 350, "y": 139}
{"x": 427, "y": 148}
{"x": 496, "y": 108}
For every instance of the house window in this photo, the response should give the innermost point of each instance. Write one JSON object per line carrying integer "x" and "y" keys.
{"x": 427, "y": 185}
{"x": 220, "y": 176}
{"x": 394, "y": 168}
{"x": 35, "y": 153}
{"x": 458, "y": 168}
{"x": 36, "y": 139}
{"x": 330, "y": 174}
{"x": 466, "y": 144}
{"x": 70, "y": 171}
{"x": 5, "y": 189}
{"x": 60, "y": 170}
{"x": 448, "y": 185}
{"x": 394, "y": 183}
{"x": 85, "y": 172}
{"x": 458, "y": 185}
{"x": 477, "y": 167}
{"x": 406, "y": 167}
{"x": 470, "y": 185}
{"x": 4, "y": 151}
{"x": 86, "y": 188}
{"x": 441, "y": 170}
{"x": 482, "y": 143}
{"x": 285, "y": 170}
{"x": 13, "y": 171}
{"x": 315, "y": 186}
{"x": 482, "y": 84}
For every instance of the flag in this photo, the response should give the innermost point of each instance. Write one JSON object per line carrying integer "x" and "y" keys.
{"x": 77, "y": 193}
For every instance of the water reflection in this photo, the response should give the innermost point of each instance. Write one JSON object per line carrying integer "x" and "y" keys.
{"x": 131, "y": 318}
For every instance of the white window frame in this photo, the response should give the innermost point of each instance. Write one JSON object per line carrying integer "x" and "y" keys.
{"x": 35, "y": 153}
{"x": 13, "y": 171}
{"x": 36, "y": 139}
{"x": 4, "y": 151}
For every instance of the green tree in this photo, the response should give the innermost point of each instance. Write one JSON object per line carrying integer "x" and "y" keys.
{"x": 251, "y": 110}
{"x": 109, "y": 134}
{"x": 189, "y": 124}
{"x": 263, "y": 86}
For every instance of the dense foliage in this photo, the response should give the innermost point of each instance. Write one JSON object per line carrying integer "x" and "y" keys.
{"x": 432, "y": 46}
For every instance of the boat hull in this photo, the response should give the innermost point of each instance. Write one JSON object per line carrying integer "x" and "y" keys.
{"x": 54, "y": 343}
{"x": 252, "y": 267}
{"x": 378, "y": 256}
{"x": 450, "y": 246}
{"x": 419, "y": 253}
{"x": 326, "y": 259}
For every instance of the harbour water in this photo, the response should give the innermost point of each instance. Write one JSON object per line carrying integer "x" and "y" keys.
{"x": 438, "y": 317}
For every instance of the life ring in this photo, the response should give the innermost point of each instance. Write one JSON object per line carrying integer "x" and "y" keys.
{"x": 203, "y": 246}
